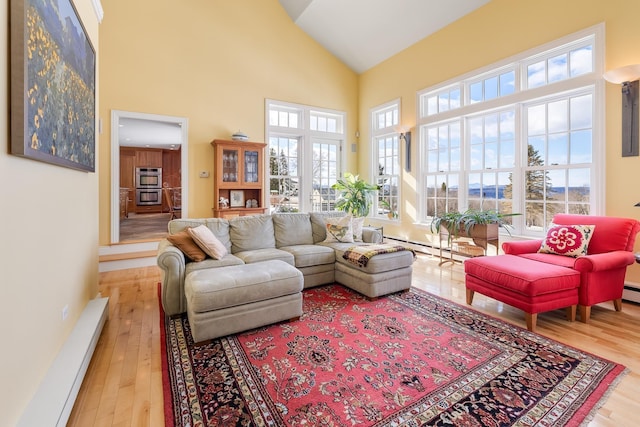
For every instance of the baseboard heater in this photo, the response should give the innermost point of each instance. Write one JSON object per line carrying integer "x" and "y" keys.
{"x": 54, "y": 399}
{"x": 420, "y": 246}
{"x": 631, "y": 293}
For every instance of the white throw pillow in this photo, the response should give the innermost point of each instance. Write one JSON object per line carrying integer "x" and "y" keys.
{"x": 357, "y": 223}
{"x": 339, "y": 230}
{"x": 207, "y": 241}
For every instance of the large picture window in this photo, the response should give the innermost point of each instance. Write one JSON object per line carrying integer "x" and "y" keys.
{"x": 304, "y": 146}
{"x": 523, "y": 136}
{"x": 386, "y": 159}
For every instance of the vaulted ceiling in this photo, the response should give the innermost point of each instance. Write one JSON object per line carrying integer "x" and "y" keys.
{"x": 363, "y": 33}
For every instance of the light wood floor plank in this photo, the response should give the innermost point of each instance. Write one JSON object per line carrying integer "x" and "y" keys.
{"x": 123, "y": 385}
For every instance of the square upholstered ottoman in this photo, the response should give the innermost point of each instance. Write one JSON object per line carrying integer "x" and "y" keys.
{"x": 531, "y": 286}
{"x": 226, "y": 300}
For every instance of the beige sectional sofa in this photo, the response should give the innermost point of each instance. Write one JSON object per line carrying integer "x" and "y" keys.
{"x": 287, "y": 252}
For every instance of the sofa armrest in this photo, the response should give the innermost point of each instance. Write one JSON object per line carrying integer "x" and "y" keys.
{"x": 371, "y": 235}
{"x": 518, "y": 247}
{"x": 604, "y": 261}
{"x": 171, "y": 261}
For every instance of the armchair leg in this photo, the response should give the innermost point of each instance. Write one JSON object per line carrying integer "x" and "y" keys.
{"x": 531, "y": 319}
{"x": 571, "y": 313}
{"x": 585, "y": 313}
{"x": 617, "y": 304}
{"x": 470, "y": 296}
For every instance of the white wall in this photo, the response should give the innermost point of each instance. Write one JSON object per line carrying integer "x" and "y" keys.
{"x": 48, "y": 251}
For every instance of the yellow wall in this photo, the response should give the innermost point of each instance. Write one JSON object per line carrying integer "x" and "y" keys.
{"x": 496, "y": 31}
{"x": 213, "y": 62}
{"x": 48, "y": 252}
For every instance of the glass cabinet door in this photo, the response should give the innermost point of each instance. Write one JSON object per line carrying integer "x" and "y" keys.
{"x": 251, "y": 166}
{"x": 230, "y": 165}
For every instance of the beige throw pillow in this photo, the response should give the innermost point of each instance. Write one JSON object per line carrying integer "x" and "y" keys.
{"x": 357, "y": 223}
{"x": 183, "y": 241}
{"x": 339, "y": 230}
{"x": 207, "y": 241}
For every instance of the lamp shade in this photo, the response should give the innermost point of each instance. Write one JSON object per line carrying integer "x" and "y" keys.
{"x": 627, "y": 73}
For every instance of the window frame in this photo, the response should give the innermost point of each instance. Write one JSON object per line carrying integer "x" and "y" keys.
{"x": 591, "y": 81}
{"x": 379, "y": 134}
{"x": 306, "y": 138}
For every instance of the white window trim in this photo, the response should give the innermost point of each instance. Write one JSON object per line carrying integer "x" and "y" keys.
{"x": 305, "y": 136}
{"x": 374, "y": 159}
{"x": 595, "y": 79}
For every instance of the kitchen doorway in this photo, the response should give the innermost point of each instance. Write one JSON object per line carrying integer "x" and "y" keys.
{"x": 141, "y": 144}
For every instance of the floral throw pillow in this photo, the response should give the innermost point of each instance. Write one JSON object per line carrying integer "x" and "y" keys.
{"x": 339, "y": 230}
{"x": 567, "y": 240}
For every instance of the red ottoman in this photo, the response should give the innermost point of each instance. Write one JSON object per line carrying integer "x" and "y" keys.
{"x": 531, "y": 286}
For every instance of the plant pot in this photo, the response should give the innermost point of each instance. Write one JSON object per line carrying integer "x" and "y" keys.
{"x": 481, "y": 234}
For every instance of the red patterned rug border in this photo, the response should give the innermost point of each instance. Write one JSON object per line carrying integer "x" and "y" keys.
{"x": 596, "y": 398}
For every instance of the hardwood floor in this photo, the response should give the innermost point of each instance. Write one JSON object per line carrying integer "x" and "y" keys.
{"x": 123, "y": 385}
{"x": 144, "y": 227}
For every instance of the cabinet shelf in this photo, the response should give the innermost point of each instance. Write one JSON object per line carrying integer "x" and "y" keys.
{"x": 238, "y": 178}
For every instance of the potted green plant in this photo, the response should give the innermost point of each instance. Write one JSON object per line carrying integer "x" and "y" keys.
{"x": 355, "y": 195}
{"x": 471, "y": 223}
{"x": 391, "y": 213}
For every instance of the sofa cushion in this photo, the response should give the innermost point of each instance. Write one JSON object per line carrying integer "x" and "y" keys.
{"x": 292, "y": 229}
{"x": 521, "y": 275}
{"x": 183, "y": 241}
{"x": 251, "y": 232}
{"x": 319, "y": 224}
{"x": 267, "y": 254}
{"x": 220, "y": 228}
{"x": 567, "y": 240}
{"x": 339, "y": 230}
{"x": 310, "y": 255}
{"x": 209, "y": 263}
{"x": 208, "y": 290}
{"x": 559, "y": 260}
{"x": 207, "y": 241}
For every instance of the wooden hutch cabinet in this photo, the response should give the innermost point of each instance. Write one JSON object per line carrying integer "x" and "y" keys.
{"x": 238, "y": 178}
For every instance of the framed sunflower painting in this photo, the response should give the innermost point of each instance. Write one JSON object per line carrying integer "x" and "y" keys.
{"x": 53, "y": 67}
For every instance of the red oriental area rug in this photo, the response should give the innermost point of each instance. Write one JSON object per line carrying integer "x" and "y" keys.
{"x": 408, "y": 359}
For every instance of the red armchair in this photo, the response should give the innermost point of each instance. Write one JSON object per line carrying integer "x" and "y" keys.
{"x": 603, "y": 269}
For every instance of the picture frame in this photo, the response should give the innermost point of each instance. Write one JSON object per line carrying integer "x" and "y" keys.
{"x": 53, "y": 79}
{"x": 236, "y": 198}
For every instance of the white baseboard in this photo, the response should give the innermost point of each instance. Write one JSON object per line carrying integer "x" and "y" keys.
{"x": 124, "y": 264}
{"x": 54, "y": 399}
{"x": 631, "y": 292}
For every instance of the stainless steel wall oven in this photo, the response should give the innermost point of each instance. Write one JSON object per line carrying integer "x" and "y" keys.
{"x": 148, "y": 196}
{"x": 148, "y": 186}
{"x": 148, "y": 177}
